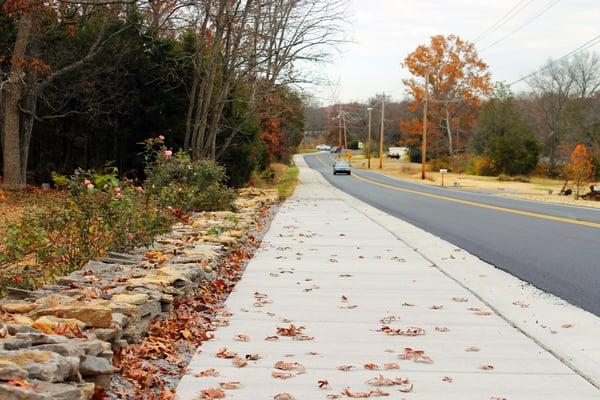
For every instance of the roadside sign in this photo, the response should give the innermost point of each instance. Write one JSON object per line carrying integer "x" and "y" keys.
{"x": 443, "y": 171}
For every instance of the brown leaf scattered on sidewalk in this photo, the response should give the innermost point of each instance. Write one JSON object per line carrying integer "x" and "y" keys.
{"x": 345, "y": 368}
{"x": 388, "y": 366}
{"x": 239, "y": 362}
{"x": 442, "y": 329}
{"x": 292, "y": 330}
{"x": 208, "y": 372}
{"x": 473, "y": 349}
{"x": 281, "y": 375}
{"x": 415, "y": 355}
{"x": 284, "y": 396}
{"x": 212, "y": 393}
{"x": 242, "y": 338}
{"x": 291, "y": 366}
{"x": 225, "y": 353}
{"x": 487, "y": 367}
{"x": 460, "y": 299}
{"x": 323, "y": 384}
{"x": 447, "y": 379}
{"x": 410, "y": 331}
{"x": 230, "y": 385}
{"x": 371, "y": 366}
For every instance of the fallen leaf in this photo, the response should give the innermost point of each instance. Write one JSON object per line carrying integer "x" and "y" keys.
{"x": 284, "y": 396}
{"x": 473, "y": 349}
{"x": 371, "y": 366}
{"x": 225, "y": 353}
{"x": 292, "y": 330}
{"x": 207, "y": 372}
{"x": 242, "y": 338}
{"x": 271, "y": 338}
{"x": 436, "y": 307}
{"x": 239, "y": 362}
{"x": 389, "y": 319}
{"x": 229, "y": 385}
{"x": 392, "y": 365}
{"x": 210, "y": 394}
{"x": 567, "y": 326}
{"x": 323, "y": 384}
{"x": 487, "y": 367}
{"x": 460, "y": 299}
{"x": 303, "y": 337}
{"x": 410, "y": 331}
{"x": 282, "y": 365}
{"x": 447, "y": 379}
{"x": 252, "y": 357}
{"x": 442, "y": 329}
{"x": 281, "y": 375}
{"x": 415, "y": 355}
{"x": 345, "y": 368}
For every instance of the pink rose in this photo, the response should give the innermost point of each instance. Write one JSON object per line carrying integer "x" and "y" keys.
{"x": 87, "y": 182}
{"x": 89, "y": 186}
{"x": 119, "y": 195}
{"x": 168, "y": 153}
{"x": 117, "y": 190}
{"x": 161, "y": 137}
{"x": 140, "y": 189}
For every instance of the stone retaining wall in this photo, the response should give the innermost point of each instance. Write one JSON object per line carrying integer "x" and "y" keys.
{"x": 58, "y": 342}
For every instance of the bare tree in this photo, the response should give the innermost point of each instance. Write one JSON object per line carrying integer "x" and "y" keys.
{"x": 29, "y": 76}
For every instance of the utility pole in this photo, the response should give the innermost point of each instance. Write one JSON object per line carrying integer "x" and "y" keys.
{"x": 424, "y": 142}
{"x": 345, "y": 134}
{"x": 339, "y": 118}
{"x": 369, "y": 141}
{"x": 382, "y": 131}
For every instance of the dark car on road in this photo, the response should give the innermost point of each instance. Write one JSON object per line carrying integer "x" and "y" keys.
{"x": 341, "y": 167}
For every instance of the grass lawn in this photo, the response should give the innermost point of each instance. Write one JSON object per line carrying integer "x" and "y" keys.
{"x": 284, "y": 179}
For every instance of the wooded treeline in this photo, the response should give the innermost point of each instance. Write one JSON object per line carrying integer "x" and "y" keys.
{"x": 537, "y": 127}
{"x": 84, "y": 81}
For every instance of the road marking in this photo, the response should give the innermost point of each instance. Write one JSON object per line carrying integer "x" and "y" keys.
{"x": 476, "y": 204}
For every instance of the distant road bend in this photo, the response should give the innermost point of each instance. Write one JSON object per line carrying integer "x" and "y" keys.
{"x": 554, "y": 247}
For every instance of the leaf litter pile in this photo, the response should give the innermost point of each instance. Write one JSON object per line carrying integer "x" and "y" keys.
{"x": 151, "y": 369}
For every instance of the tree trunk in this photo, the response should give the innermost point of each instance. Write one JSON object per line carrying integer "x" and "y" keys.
{"x": 14, "y": 176}
{"x": 449, "y": 130}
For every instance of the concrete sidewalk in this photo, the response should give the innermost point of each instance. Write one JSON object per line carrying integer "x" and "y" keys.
{"x": 360, "y": 292}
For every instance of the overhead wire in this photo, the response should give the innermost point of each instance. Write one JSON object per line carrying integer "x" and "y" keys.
{"x": 504, "y": 19}
{"x": 530, "y": 20}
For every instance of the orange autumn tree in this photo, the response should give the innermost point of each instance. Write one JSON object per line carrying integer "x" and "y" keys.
{"x": 457, "y": 78}
{"x": 580, "y": 168}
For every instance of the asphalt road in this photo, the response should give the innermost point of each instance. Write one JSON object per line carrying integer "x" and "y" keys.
{"x": 555, "y": 248}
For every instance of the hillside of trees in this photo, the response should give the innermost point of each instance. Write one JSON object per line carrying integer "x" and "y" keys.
{"x": 84, "y": 82}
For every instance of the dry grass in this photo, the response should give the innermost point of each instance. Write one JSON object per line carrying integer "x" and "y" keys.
{"x": 14, "y": 204}
{"x": 537, "y": 188}
{"x": 284, "y": 179}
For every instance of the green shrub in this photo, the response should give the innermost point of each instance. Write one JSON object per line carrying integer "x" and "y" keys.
{"x": 514, "y": 154}
{"x": 441, "y": 162}
{"x": 483, "y": 166}
{"x": 101, "y": 213}
{"x": 174, "y": 180}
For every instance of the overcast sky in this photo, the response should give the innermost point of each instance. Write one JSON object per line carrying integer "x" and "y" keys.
{"x": 385, "y": 31}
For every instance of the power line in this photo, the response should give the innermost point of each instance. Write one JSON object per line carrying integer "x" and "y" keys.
{"x": 590, "y": 43}
{"x": 503, "y": 20}
{"x": 536, "y": 16}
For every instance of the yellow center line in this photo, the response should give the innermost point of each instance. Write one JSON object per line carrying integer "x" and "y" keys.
{"x": 476, "y": 204}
